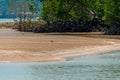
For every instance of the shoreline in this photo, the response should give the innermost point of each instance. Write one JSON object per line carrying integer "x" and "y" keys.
{"x": 30, "y": 47}
{"x": 63, "y": 58}
{"x": 63, "y": 55}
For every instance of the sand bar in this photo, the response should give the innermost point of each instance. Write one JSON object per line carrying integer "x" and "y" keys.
{"x": 30, "y": 47}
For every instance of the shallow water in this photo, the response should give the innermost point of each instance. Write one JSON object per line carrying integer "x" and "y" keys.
{"x": 2, "y": 20}
{"x": 93, "y": 67}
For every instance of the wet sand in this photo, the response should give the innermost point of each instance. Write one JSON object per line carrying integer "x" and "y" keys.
{"x": 18, "y": 46}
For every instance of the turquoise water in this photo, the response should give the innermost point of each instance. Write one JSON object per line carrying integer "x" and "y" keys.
{"x": 94, "y": 67}
{"x": 2, "y": 20}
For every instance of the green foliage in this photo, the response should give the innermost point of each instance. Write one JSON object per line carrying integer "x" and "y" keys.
{"x": 99, "y": 8}
{"x": 108, "y": 10}
{"x": 64, "y": 10}
{"x": 53, "y": 10}
{"x": 33, "y": 5}
{"x": 112, "y": 11}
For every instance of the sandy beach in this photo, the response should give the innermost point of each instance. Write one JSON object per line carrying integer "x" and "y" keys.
{"x": 18, "y": 46}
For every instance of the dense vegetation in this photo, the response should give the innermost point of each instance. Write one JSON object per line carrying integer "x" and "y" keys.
{"x": 78, "y": 15}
